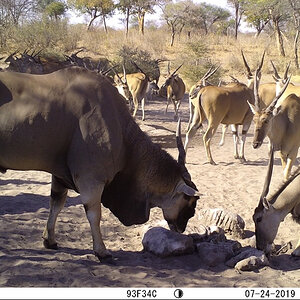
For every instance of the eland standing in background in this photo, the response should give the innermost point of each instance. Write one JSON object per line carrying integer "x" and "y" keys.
{"x": 175, "y": 90}
{"x": 281, "y": 123}
{"x": 223, "y": 105}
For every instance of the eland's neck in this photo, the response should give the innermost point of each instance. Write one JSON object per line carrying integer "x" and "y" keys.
{"x": 287, "y": 197}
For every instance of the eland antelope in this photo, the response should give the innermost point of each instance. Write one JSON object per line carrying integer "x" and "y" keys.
{"x": 281, "y": 123}
{"x": 133, "y": 87}
{"x": 175, "y": 90}
{"x": 194, "y": 90}
{"x": 280, "y": 81}
{"x": 272, "y": 210}
{"x": 225, "y": 105}
{"x": 74, "y": 124}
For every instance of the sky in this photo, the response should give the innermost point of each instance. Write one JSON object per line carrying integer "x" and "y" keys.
{"x": 116, "y": 23}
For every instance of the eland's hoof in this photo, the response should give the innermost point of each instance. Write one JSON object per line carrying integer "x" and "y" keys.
{"x": 242, "y": 160}
{"x": 47, "y": 245}
{"x": 106, "y": 259}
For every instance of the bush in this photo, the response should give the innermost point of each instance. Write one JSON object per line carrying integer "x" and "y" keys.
{"x": 142, "y": 59}
{"x": 196, "y": 63}
{"x": 45, "y": 34}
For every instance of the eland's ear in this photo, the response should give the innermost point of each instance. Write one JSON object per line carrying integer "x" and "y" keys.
{"x": 267, "y": 205}
{"x": 277, "y": 110}
{"x": 187, "y": 190}
{"x": 252, "y": 107}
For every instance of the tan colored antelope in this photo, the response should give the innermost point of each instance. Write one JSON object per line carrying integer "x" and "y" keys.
{"x": 281, "y": 124}
{"x": 175, "y": 90}
{"x": 133, "y": 86}
{"x": 272, "y": 210}
{"x": 194, "y": 90}
{"x": 225, "y": 105}
{"x": 280, "y": 81}
{"x": 266, "y": 92}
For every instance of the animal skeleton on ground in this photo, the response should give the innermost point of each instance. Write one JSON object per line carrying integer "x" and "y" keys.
{"x": 133, "y": 87}
{"x": 281, "y": 124}
{"x": 74, "y": 125}
{"x": 272, "y": 210}
{"x": 226, "y": 105}
{"x": 175, "y": 90}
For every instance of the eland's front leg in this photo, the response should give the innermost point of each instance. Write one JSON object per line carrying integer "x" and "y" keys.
{"x": 243, "y": 141}
{"x": 57, "y": 202}
{"x": 91, "y": 199}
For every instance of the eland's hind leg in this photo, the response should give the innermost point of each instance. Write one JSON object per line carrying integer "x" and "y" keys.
{"x": 57, "y": 202}
{"x": 207, "y": 139}
{"x": 224, "y": 129}
{"x": 136, "y": 106}
{"x": 196, "y": 123}
{"x": 168, "y": 102}
{"x": 191, "y": 107}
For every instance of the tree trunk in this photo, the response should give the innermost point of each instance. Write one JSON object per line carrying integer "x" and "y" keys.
{"x": 172, "y": 37}
{"x": 90, "y": 23}
{"x": 180, "y": 30}
{"x": 278, "y": 35}
{"x": 104, "y": 24}
{"x": 296, "y": 49}
{"x": 141, "y": 20}
{"x": 127, "y": 22}
{"x": 93, "y": 17}
{"x": 260, "y": 28}
{"x": 236, "y": 21}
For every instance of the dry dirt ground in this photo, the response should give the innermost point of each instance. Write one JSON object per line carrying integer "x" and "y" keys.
{"x": 24, "y": 204}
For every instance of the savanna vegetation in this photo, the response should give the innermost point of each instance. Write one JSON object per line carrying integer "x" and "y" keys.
{"x": 196, "y": 34}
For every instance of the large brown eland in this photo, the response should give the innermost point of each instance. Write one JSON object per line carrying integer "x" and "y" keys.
{"x": 175, "y": 90}
{"x": 281, "y": 124}
{"x": 225, "y": 105}
{"x": 272, "y": 210}
{"x": 133, "y": 87}
{"x": 75, "y": 125}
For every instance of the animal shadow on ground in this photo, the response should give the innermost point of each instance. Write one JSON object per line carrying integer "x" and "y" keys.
{"x": 262, "y": 162}
{"x": 29, "y": 203}
{"x": 290, "y": 262}
{"x": 135, "y": 259}
{"x": 20, "y": 181}
{"x": 141, "y": 260}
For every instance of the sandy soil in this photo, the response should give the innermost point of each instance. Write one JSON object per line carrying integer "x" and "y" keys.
{"x": 231, "y": 185}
